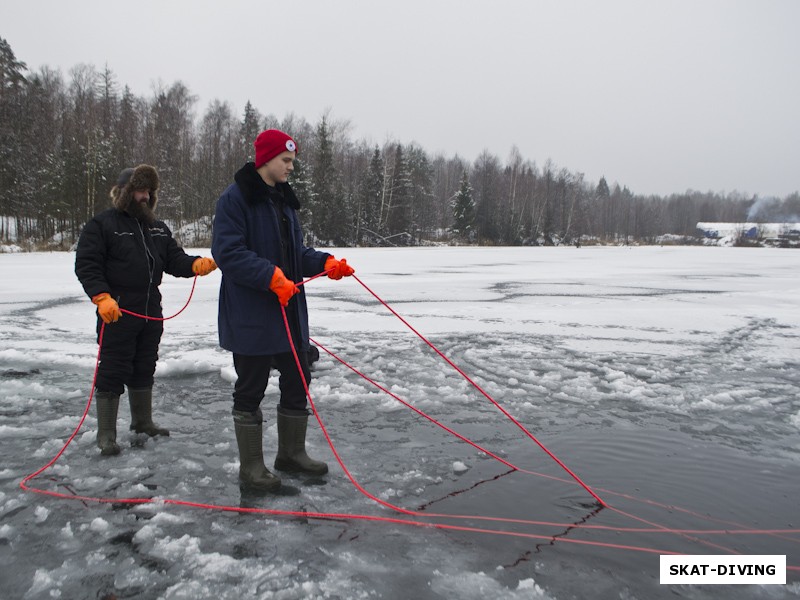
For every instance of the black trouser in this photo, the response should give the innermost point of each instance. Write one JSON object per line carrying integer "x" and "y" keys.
{"x": 252, "y": 376}
{"x": 129, "y": 353}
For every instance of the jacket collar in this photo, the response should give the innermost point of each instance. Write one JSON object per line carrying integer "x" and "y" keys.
{"x": 254, "y": 189}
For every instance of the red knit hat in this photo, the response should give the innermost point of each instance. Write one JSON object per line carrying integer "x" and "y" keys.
{"x": 271, "y": 143}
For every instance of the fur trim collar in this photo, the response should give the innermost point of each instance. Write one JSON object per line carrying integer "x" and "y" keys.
{"x": 254, "y": 189}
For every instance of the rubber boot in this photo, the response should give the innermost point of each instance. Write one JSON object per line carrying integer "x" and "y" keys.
{"x": 292, "y": 457}
{"x": 107, "y": 407}
{"x": 249, "y": 437}
{"x": 142, "y": 413}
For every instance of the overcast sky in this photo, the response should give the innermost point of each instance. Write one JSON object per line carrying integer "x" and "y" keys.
{"x": 659, "y": 96}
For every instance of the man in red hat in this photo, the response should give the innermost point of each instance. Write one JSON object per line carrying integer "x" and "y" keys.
{"x": 258, "y": 244}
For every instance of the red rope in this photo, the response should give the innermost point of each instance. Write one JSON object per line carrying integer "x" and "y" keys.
{"x": 23, "y": 483}
{"x": 656, "y": 528}
{"x": 325, "y": 430}
{"x": 415, "y": 409}
{"x": 487, "y": 396}
{"x": 148, "y": 318}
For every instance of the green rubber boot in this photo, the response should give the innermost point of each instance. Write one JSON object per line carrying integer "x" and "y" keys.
{"x": 292, "y": 456}
{"x": 142, "y": 413}
{"x": 249, "y": 437}
{"x": 107, "y": 407}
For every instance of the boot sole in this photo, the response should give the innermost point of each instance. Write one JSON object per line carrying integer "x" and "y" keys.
{"x": 158, "y": 434}
{"x": 293, "y": 467}
{"x": 248, "y": 486}
{"x": 110, "y": 451}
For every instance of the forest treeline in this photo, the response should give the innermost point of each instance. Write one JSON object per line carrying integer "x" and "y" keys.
{"x": 64, "y": 139}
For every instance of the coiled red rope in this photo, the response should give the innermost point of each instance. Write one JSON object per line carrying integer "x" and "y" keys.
{"x": 654, "y": 527}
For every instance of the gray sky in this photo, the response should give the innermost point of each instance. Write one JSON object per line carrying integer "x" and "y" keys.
{"x": 659, "y": 96}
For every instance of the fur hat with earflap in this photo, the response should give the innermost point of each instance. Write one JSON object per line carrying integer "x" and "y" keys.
{"x": 143, "y": 177}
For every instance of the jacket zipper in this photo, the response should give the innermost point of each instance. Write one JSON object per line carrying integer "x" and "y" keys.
{"x": 150, "y": 266}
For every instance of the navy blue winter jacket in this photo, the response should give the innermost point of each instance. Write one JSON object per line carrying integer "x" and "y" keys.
{"x": 246, "y": 245}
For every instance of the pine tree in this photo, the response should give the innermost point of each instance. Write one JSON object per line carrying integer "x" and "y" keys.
{"x": 12, "y": 107}
{"x": 170, "y": 144}
{"x": 329, "y": 214}
{"x": 249, "y": 128}
{"x": 464, "y": 210}
{"x": 422, "y": 212}
{"x": 303, "y": 188}
{"x": 11, "y": 78}
{"x": 321, "y": 170}
{"x": 398, "y": 211}
{"x": 128, "y": 138}
{"x": 602, "y": 196}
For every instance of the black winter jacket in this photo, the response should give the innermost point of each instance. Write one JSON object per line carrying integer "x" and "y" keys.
{"x": 118, "y": 254}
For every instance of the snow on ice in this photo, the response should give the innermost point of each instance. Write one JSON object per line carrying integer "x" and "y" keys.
{"x": 650, "y": 370}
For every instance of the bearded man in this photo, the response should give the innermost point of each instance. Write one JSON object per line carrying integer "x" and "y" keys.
{"x": 121, "y": 256}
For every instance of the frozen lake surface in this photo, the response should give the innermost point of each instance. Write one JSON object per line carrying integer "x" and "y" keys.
{"x": 666, "y": 378}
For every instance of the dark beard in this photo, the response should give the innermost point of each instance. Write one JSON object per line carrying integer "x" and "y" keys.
{"x": 141, "y": 211}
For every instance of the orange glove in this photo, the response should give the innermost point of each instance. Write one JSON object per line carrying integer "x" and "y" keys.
{"x": 283, "y": 287}
{"x": 203, "y": 266}
{"x": 338, "y": 268}
{"x": 107, "y": 307}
